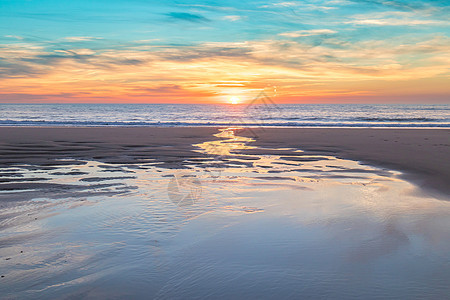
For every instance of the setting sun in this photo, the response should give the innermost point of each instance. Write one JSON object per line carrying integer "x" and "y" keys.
{"x": 234, "y": 100}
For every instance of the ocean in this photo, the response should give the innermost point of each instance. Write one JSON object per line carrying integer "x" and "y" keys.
{"x": 255, "y": 115}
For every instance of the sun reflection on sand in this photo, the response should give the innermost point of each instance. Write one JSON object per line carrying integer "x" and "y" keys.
{"x": 227, "y": 143}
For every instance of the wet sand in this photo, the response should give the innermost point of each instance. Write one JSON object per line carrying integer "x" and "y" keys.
{"x": 175, "y": 213}
{"x": 423, "y": 154}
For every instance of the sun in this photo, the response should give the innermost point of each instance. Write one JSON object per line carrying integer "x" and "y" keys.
{"x": 234, "y": 100}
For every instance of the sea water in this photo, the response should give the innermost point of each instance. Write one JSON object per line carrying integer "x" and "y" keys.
{"x": 258, "y": 114}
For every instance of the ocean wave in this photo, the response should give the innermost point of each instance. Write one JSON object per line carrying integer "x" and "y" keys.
{"x": 169, "y": 115}
{"x": 43, "y": 123}
{"x": 399, "y": 119}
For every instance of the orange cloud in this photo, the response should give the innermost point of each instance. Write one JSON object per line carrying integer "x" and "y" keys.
{"x": 211, "y": 72}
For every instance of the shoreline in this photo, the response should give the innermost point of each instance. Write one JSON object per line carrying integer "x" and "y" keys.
{"x": 227, "y": 126}
{"x": 420, "y": 154}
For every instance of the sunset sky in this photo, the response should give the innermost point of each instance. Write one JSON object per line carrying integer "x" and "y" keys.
{"x": 136, "y": 51}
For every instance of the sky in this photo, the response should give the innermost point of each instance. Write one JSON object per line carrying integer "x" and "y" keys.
{"x": 136, "y": 51}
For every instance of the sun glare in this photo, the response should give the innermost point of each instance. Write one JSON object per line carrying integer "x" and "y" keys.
{"x": 234, "y": 100}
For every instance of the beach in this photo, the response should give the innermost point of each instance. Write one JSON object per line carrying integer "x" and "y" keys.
{"x": 225, "y": 150}
{"x": 181, "y": 212}
{"x": 421, "y": 153}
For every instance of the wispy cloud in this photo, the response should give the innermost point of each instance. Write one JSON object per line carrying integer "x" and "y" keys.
{"x": 81, "y": 38}
{"x": 232, "y": 18}
{"x": 187, "y": 17}
{"x": 285, "y": 4}
{"x": 311, "y": 32}
{"x": 302, "y": 5}
{"x": 402, "y": 5}
{"x": 394, "y": 18}
{"x": 393, "y": 22}
{"x": 14, "y": 37}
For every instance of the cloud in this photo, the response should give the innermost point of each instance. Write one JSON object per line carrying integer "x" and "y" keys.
{"x": 218, "y": 68}
{"x": 209, "y": 7}
{"x": 232, "y": 18}
{"x": 206, "y": 51}
{"x": 338, "y": 2}
{"x": 81, "y": 38}
{"x": 393, "y": 18}
{"x": 15, "y": 70}
{"x": 393, "y": 22}
{"x": 307, "y": 32}
{"x": 286, "y": 4}
{"x": 369, "y": 57}
{"x": 14, "y": 37}
{"x": 299, "y": 4}
{"x": 187, "y": 17}
{"x": 405, "y": 5}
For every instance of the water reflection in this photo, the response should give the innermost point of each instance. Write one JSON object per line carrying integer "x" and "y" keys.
{"x": 285, "y": 225}
{"x": 228, "y": 143}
